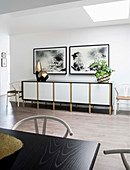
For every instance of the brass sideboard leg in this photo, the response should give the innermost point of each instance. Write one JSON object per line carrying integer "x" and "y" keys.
{"x": 37, "y": 96}
{"x": 53, "y": 96}
{"x": 23, "y": 93}
{"x": 89, "y": 108}
{"x": 89, "y": 98}
{"x": 23, "y": 103}
{"x": 70, "y": 97}
{"x": 53, "y": 105}
{"x": 37, "y": 104}
{"x": 110, "y": 110}
{"x": 110, "y": 98}
{"x": 70, "y": 107}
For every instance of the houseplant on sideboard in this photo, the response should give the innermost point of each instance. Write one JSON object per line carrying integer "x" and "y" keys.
{"x": 103, "y": 72}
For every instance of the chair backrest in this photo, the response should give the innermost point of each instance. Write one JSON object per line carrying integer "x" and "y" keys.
{"x": 122, "y": 152}
{"x": 15, "y": 85}
{"x": 45, "y": 118}
{"x": 123, "y": 89}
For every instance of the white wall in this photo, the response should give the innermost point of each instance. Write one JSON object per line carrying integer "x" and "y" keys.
{"x": 4, "y": 71}
{"x": 117, "y": 36}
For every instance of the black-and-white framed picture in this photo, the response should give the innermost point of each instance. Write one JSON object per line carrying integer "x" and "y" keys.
{"x": 3, "y": 54}
{"x": 82, "y": 57}
{"x": 3, "y": 62}
{"x": 53, "y": 59}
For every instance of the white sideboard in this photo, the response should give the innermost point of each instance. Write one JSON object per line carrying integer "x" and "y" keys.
{"x": 89, "y": 93}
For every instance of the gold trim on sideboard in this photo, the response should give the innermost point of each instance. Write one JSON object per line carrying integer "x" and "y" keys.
{"x": 37, "y": 96}
{"x": 53, "y": 96}
{"x": 23, "y": 94}
{"x": 89, "y": 98}
{"x": 110, "y": 92}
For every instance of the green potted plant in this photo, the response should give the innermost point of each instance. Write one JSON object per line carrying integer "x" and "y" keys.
{"x": 103, "y": 72}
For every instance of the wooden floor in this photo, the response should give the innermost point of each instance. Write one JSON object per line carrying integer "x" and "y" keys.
{"x": 111, "y": 131}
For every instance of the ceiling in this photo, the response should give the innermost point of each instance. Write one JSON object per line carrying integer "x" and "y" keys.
{"x": 50, "y": 15}
{"x": 7, "y": 6}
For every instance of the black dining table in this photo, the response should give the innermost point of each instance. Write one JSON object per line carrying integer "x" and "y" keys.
{"x": 42, "y": 152}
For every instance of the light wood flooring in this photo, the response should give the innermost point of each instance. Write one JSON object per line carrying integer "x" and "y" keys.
{"x": 111, "y": 131}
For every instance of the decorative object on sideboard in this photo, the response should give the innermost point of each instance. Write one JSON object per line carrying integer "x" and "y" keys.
{"x": 103, "y": 72}
{"x": 38, "y": 68}
{"x": 81, "y": 57}
{"x": 42, "y": 76}
{"x": 53, "y": 59}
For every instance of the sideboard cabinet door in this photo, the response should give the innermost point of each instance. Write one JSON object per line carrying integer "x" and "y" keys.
{"x": 46, "y": 91}
{"x": 62, "y": 92}
{"x": 100, "y": 94}
{"x": 80, "y": 93}
{"x": 30, "y": 90}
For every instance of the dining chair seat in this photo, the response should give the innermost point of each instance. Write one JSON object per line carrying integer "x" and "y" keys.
{"x": 123, "y": 97}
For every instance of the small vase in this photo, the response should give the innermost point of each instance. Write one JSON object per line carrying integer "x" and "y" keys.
{"x": 37, "y": 75}
{"x": 42, "y": 76}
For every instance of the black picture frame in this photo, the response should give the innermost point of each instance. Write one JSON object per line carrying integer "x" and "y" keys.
{"x": 82, "y": 56}
{"x": 3, "y": 54}
{"x": 53, "y": 60}
{"x": 3, "y": 62}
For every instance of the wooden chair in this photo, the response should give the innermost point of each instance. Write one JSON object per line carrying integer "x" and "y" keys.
{"x": 15, "y": 90}
{"x": 45, "y": 118}
{"x": 123, "y": 93}
{"x": 122, "y": 152}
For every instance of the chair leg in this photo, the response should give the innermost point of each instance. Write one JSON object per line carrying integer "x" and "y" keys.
{"x": 115, "y": 107}
{"x": 118, "y": 105}
{"x": 7, "y": 99}
{"x": 18, "y": 99}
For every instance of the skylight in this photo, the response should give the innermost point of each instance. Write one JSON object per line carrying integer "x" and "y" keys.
{"x": 108, "y": 11}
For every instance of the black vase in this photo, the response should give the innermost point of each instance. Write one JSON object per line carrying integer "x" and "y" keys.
{"x": 42, "y": 76}
{"x": 37, "y": 72}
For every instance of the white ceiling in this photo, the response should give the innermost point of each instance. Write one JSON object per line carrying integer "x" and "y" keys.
{"x": 7, "y": 6}
{"x": 69, "y": 15}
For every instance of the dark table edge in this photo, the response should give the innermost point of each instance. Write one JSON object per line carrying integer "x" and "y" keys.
{"x": 95, "y": 156}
